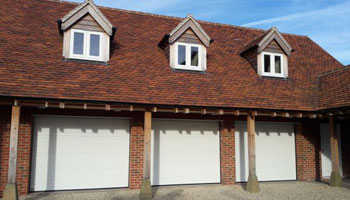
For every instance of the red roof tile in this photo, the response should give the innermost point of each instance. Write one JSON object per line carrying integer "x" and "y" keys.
{"x": 31, "y": 63}
{"x": 335, "y": 89}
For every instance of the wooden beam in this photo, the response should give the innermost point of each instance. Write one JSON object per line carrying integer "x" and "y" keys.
{"x": 286, "y": 114}
{"x": 16, "y": 103}
{"x": 62, "y": 105}
{"x": 16, "y": 111}
{"x": 147, "y": 145}
{"x": 220, "y": 112}
{"x": 236, "y": 112}
{"x": 312, "y": 116}
{"x": 154, "y": 109}
{"x": 108, "y": 107}
{"x": 255, "y": 113}
{"x": 334, "y": 145}
{"x": 251, "y": 143}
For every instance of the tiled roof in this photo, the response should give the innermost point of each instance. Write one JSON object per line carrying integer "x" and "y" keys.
{"x": 335, "y": 89}
{"x": 31, "y": 63}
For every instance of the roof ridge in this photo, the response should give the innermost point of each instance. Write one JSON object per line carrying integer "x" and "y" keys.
{"x": 180, "y": 18}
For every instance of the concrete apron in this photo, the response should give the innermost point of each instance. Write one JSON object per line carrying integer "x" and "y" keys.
{"x": 10, "y": 192}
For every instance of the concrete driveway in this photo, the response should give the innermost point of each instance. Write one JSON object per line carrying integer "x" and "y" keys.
{"x": 277, "y": 190}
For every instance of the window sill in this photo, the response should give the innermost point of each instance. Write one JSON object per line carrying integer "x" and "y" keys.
{"x": 273, "y": 77}
{"x": 85, "y": 61}
{"x": 189, "y": 71}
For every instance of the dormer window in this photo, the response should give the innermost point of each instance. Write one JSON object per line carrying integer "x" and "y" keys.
{"x": 272, "y": 64}
{"x": 86, "y": 33}
{"x": 86, "y": 45}
{"x": 268, "y": 54}
{"x": 187, "y": 46}
{"x": 187, "y": 56}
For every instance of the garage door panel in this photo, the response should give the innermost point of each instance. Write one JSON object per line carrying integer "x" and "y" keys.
{"x": 79, "y": 153}
{"x": 275, "y": 151}
{"x": 185, "y": 152}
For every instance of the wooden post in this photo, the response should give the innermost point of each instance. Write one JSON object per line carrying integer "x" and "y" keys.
{"x": 147, "y": 145}
{"x": 11, "y": 188}
{"x": 146, "y": 189}
{"x": 336, "y": 179}
{"x": 253, "y": 184}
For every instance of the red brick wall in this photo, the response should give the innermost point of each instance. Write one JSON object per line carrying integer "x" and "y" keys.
{"x": 136, "y": 153}
{"x": 5, "y": 121}
{"x": 345, "y": 141}
{"x": 307, "y": 136}
{"x": 227, "y": 150}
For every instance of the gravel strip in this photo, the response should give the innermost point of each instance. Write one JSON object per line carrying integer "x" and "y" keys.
{"x": 277, "y": 190}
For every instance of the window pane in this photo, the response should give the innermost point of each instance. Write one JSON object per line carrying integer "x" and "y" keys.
{"x": 278, "y": 64}
{"x": 181, "y": 55}
{"x": 267, "y": 63}
{"x": 94, "y": 45}
{"x": 78, "y": 46}
{"x": 194, "y": 56}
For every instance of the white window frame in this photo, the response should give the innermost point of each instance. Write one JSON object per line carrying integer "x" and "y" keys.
{"x": 272, "y": 62}
{"x": 188, "y": 65}
{"x": 86, "y": 47}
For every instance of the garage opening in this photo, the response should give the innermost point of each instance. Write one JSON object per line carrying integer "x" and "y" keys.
{"x": 275, "y": 151}
{"x": 185, "y": 152}
{"x": 79, "y": 153}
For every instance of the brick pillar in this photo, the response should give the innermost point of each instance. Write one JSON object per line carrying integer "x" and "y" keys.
{"x": 136, "y": 153}
{"x": 307, "y": 136}
{"x": 24, "y": 152}
{"x": 227, "y": 151}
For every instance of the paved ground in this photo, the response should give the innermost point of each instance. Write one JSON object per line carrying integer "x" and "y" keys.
{"x": 278, "y": 190}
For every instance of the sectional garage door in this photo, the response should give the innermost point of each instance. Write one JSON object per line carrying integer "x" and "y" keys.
{"x": 185, "y": 152}
{"x": 79, "y": 153}
{"x": 275, "y": 151}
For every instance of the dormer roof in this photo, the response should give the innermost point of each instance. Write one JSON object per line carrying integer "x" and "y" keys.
{"x": 265, "y": 39}
{"x": 88, "y": 7}
{"x": 182, "y": 27}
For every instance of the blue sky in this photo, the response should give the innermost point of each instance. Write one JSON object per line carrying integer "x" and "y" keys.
{"x": 327, "y": 22}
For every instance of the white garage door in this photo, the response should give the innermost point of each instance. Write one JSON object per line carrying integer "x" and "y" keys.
{"x": 275, "y": 151}
{"x": 79, "y": 153}
{"x": 185, "y": 152}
